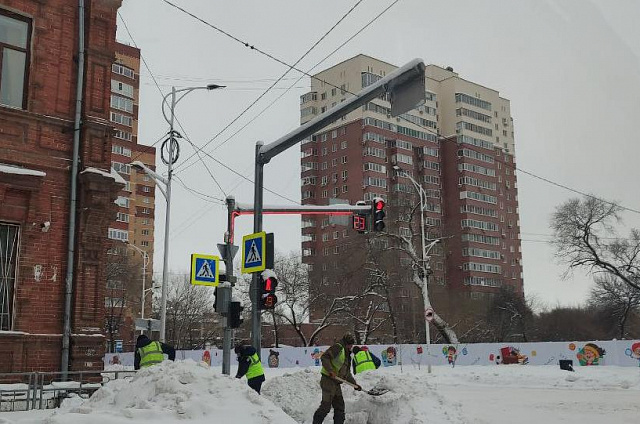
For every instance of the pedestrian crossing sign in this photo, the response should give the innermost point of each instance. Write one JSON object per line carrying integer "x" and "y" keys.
{"x": 254, "y": 252}
{"x": 205, "y": 270}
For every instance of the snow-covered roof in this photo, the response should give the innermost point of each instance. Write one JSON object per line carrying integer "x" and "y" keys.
{"x": 113, "y": 174}
{"x": 12, "y": 169}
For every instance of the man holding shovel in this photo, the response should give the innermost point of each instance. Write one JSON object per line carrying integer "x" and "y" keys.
{"x": 335, "y": 368}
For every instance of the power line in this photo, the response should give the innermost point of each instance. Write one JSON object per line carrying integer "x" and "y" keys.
{"x": 290, "y": 67}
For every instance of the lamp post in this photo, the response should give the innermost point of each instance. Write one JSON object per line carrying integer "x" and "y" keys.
{"x": 145, "y": 262}
{"x": 173, "y": 157}
{"x": 423, "y": 199}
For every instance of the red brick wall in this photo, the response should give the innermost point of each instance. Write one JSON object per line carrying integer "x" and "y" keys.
{"x": 41, "y": 138}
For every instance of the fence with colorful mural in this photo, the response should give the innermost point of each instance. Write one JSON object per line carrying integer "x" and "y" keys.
{"x": 593, "y": 353}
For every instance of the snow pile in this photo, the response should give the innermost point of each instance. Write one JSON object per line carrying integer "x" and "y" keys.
{"x": 410, "y": 398}
{"x": 170, "y": 391}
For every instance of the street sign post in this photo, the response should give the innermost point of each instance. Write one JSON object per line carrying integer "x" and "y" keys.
{"x": 205, "y": 270}
{"x": 254, "y": 252}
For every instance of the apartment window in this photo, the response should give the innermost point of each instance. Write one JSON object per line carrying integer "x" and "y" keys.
{"x": 113, "y": 302}
{"x": 116, "y": 68}
{"x": 345, "y": 188}
{"x": 121, "y": 103}
{"x": 325, "y": 194}
{"x": 116, "y": 234}
{"x": 146, "y": 178}
{"x": 146, "y": 211}
{"x": 345, "y": 174}
{"x": 336, "y": 235}
{"x": 146, "y": 189}
{"x": 122, "y": 88}
{"x": 146, "y": 221}
{"x": 145, "y": 232}
{"x": 336, "y": 191}
{"x": 121, "y": 150}
{"x": 334, "y": 133}
{"x": 144, "y": 243}
{"x": 122, "y": 217}
{"x": 123, "y": 135}
{"x": 324, "y": 166}
{"x": 127, "y": 186}
{"x": 146, "y": 200}
{"x": 325, "y": 237}
{"x": 121, "y": 119}
{"x": 14, "y": 58}
{"x": 343, "y": 145}
{"x": 123, "y": 202}
{"x": 121, "y": 167}
{"x": 334, "y": 162}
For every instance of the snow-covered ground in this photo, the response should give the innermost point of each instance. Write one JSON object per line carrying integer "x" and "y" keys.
{"x": 194, "y": 393}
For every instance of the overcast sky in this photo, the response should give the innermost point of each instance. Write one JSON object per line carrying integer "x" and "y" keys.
{"x": 571, "y": 69}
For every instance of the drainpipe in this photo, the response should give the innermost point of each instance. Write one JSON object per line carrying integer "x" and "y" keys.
{"x": 66, "y": 335}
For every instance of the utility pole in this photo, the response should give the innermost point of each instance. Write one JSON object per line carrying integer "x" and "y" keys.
{"x": 228, "y": 263}
{"x": 406, "y": 86}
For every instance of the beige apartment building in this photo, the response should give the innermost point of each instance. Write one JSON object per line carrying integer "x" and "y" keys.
{"x": 459, "y": 147}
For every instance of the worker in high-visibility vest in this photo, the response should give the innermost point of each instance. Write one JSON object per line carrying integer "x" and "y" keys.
{"x": 249, "y": 365}
{"x": 149, "y": 353}
{"x": 363, "y": 360}
{"x": 335, "y": 363}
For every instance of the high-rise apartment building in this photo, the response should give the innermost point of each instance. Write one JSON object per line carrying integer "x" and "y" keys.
{"x": 459, "y": 146}
{"x": 132, "y": 229}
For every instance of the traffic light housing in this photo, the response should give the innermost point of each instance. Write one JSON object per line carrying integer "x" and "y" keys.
{"x": 378, "y": 214}
{"x": 268, "y": 285}
{"x": 360, "y": 220}
{"x": 235, "y": 313}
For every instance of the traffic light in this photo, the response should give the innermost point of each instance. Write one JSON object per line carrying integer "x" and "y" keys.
{"x": 235, "y": 311}
{"x": 378, "y": 214}
{"x": 268, "y": 285}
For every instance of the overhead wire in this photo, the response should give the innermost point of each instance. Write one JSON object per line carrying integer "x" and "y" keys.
{"x": 290, "y": 67}
{"x": 163, "y": 101}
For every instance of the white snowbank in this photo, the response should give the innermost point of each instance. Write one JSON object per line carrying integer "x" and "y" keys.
{"x": 171, "y": 391}
{"x": 501, "y": 394}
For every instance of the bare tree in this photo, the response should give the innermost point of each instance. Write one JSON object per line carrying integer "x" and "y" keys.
{"x": 585, "y": 237}
{"x": 421, "y": 270}
{"x": 616, "y": 300}
{"x": 191, "y": 322}
{"x": 122, "y": 279}
{"x": 509, "y": 317}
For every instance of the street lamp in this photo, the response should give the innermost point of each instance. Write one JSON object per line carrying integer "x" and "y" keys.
{"x": 166, "y": 191}
{"x": 145, "y": 262}
{"x": 423, "y": 198}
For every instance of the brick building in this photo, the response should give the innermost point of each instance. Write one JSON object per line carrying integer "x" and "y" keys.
{"x": 459, "y": 146}
{"x": 40, "y": 56}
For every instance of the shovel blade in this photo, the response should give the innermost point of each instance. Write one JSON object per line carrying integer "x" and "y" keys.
{"x": 377, "y": 392}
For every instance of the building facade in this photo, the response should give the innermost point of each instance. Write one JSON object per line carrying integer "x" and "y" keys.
{"x": 458, "y": 146}
{"x": 39, "y": 79}
{"x": 131, "y": 257}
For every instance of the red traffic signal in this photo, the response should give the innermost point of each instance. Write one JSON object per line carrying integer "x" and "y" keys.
{"x": 378, "y": 214}
{"x": 268, "y": 287}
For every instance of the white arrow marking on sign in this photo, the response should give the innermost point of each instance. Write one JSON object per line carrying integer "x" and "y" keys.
{"x": 254, "y": 255}
{"x": 205, "y": 271}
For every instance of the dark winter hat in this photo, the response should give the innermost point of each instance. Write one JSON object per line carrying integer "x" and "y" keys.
{"x": 142, "y": 340}
{"x": 348, "y": 339}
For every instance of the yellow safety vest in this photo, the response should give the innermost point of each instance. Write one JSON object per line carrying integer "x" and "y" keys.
{"x": 151, "y": 354}
{"x": 337, "y": 364}
{"x": 255, "y": 369}
{"x": 363, "y": 361}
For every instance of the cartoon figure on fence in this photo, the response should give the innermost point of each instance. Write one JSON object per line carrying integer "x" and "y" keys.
{"x": 590, "y": 354}
{"x": 510, "y": 355}
{"x": 316, "y": 354}
{"x": 389, "y": 356}
{"x": 206, "y": 357}
{"x": 273, "y": 361}
{"x": 451, "y": 353}
{"x": 634, "y": 352}
{"x": 115, "y": 360}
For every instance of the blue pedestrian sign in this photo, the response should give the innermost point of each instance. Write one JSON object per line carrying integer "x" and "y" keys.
{"x": 204, "y": 270}
{"x": 254, "y": 249}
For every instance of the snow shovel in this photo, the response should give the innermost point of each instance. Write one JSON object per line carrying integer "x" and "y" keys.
{"x": 376, "y": 391}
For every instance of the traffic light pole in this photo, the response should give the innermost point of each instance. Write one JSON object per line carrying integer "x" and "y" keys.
{"x": 406, "y": 86}
{"x": 228, "y": 263}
